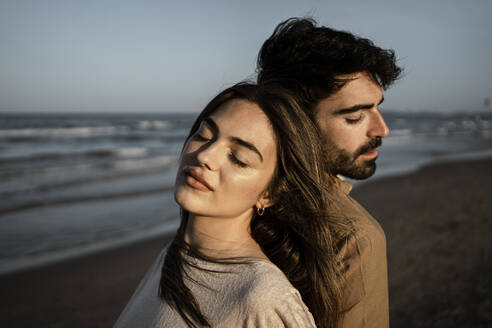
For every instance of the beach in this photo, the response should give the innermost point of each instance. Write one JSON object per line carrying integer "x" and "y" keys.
{"x": 437, "y": 222}
{"x": 438, "y": 226}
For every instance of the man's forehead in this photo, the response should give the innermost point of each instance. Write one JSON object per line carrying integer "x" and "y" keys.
{"x": 358, "y": 83}
{"x": 360, "y": 89}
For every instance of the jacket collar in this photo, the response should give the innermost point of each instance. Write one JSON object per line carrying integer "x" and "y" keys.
{"x": 345, "y": 186}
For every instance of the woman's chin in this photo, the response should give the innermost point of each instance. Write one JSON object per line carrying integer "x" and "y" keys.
{"x": 181, "y": 198}
{"x": 189, "y": 200}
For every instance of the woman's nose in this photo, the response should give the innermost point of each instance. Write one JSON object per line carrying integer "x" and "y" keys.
{"x": 209, "y": 155}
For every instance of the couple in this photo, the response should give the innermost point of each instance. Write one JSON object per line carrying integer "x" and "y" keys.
{"x": 269, "y": 236}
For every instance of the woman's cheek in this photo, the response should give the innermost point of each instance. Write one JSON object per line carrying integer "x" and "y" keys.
{"x": 247, "y": 186}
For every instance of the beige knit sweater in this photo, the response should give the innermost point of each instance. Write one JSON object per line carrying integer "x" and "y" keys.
{"x": 256, "y": 294}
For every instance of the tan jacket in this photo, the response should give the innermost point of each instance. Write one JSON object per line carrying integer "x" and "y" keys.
{"x": 365, "y": 294}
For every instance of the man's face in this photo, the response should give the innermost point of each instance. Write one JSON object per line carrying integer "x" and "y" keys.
{"x": 352, "y": 126}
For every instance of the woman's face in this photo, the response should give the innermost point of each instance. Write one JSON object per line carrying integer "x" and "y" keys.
{"x": 227, "y": 163}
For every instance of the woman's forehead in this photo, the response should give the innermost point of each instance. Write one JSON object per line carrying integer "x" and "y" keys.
{"x": 245, "y": 120}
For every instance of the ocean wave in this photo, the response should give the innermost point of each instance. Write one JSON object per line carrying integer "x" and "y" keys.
{"x": 118, "y": 152}
{"x": 9, "y": 192}
{"x": 141, "y": 163}
{"x": 126, "y": 165}
{"x": 449, "y": 129}
{"x": 128, "y": 152}
{"x": 396, "y": 133}
{"x": 9, "y": 208}
{"x": 62, "y": 132}
{"x": 154, "y": 125}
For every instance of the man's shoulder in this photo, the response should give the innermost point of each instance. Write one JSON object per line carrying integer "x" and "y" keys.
{"x": 363, "y": 223}
{"x": 366, "y": 241}
{"x": 362, "y": 255}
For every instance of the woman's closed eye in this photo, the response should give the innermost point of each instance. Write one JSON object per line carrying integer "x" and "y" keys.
{"x": 203, "y": 133}
{"x": 233, "y": 158}
{"x": 198, "y": 136}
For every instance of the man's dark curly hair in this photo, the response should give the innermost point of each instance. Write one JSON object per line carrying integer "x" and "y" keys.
{"x": 309, "y": 60}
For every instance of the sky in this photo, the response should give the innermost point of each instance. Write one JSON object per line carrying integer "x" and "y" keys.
{"x": 174, "y": 56}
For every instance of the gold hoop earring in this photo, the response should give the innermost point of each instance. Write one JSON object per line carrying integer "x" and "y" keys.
{"x": 260, "y": 211}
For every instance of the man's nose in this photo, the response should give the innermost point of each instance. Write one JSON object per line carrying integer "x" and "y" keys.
{"x": 378, "y": 126}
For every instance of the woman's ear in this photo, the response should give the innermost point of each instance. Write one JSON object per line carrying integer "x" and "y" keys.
{"x": 264, "y": 201}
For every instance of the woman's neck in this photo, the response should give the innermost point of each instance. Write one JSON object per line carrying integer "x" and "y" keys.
{"x": 222, "y": 237}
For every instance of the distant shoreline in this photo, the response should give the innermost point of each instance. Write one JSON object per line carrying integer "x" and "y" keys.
{"x": 390, "y": 111}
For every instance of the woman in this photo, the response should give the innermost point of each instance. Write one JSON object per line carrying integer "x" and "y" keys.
{"x": 253, "y": 193}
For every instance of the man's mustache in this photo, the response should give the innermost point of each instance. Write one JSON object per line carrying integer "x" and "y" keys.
{"x": 371, "y": 145}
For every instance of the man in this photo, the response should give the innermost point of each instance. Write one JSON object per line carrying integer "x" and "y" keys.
{"x": 338, "y": 79}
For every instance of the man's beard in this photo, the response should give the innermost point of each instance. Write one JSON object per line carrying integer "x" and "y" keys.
{"x": 339, "y": 161}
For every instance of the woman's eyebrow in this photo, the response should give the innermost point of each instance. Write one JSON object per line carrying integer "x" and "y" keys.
{"x": 211, "y": 124}
{"x": 238, "y": 141}
{"x": 246, "y": 144}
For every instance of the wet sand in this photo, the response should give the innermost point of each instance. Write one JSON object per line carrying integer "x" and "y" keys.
{"x": 438, "y": 225}
{"x": 88, "y": 291}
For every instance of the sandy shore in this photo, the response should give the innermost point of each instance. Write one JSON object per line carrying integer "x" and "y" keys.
{"x": 437, "y": 222}
{"x": 88, "y": 291}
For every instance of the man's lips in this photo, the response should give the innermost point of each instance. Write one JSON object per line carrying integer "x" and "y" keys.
{"x": 371, "y": 148}
{"x": 371, "y": 153}
{"x": 196, "y": 180}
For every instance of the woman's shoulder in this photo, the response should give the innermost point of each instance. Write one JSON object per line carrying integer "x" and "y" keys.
{"x": 264, "y": 278}
{"x": 251, "y": 277}
{"x": 270, "y": 299}
{"x": 250, "y": 293}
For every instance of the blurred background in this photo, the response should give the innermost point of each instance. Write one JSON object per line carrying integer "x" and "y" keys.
{"x": 96, "y": 98}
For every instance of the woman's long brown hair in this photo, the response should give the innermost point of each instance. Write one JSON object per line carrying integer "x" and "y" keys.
{"x": 299, "y": 233}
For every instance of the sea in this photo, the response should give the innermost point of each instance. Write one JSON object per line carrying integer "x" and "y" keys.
{"x": 71, "y": 184}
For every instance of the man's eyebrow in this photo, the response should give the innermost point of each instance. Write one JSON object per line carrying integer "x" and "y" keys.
{"x": 356, "y": 108}
{"x": 246, "y": 144}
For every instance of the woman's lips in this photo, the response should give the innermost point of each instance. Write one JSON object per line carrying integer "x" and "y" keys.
{"x": 196, "y": 180}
